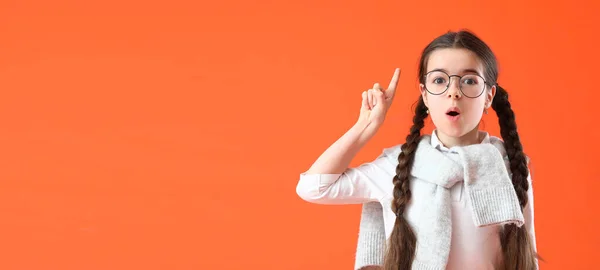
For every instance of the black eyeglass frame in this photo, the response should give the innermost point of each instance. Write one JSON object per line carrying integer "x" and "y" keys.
{"x": 459, "y": 85}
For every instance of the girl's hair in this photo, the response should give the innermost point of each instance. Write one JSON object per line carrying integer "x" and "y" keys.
{"x": 517, "y": 247}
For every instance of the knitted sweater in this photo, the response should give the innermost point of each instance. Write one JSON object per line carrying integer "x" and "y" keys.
{"x": 371, "y": 236}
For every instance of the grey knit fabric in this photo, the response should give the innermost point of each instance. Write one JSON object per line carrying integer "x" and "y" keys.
{"x": 371, "y": 236}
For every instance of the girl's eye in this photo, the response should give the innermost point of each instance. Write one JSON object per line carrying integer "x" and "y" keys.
{"x": 470, "y": 81}
{"x": 438, "y": 80}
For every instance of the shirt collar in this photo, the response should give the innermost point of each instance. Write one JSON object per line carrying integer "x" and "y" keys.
{"x": 436, "y": 143}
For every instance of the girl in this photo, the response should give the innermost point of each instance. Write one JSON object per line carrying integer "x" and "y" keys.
{"x": 455, "y": 199}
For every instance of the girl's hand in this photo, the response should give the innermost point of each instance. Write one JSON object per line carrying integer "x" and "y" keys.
{"x": 377, "y": 101}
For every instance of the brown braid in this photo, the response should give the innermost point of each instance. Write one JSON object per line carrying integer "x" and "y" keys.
{"x": 516, "y": 244}
{"x": 402, "y": 245}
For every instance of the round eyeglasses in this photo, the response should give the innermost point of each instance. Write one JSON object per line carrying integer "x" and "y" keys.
{"x": 471, "y": 85}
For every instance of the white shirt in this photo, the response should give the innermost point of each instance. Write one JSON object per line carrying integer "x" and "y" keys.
{"x": 472, "y": 247}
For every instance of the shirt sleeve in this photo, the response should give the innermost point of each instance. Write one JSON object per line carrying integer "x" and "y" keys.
{"x": 365, "y": 183}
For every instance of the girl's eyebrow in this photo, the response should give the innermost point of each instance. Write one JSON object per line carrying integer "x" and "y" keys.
{"x": 468, "y": 70}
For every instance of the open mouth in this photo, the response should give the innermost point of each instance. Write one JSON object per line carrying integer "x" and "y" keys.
{"x": 453, "y": 113}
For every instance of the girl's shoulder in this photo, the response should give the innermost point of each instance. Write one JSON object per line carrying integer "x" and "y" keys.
{"x": 394, "y": 151}
{"x": 499, "y": 144}
{"x": 391, "y": 153}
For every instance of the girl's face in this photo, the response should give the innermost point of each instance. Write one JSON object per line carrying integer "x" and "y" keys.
{"x": 456, "y": 113}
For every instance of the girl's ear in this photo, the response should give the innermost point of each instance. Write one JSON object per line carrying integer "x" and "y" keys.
{"x": 489, "y": 97}
{"x": 424, "y": 94}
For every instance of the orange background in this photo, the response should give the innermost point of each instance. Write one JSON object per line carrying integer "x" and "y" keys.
{"x": 146, "y": 135}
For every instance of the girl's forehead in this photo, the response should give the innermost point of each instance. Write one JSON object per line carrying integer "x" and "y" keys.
{"x": 454, "y": 61}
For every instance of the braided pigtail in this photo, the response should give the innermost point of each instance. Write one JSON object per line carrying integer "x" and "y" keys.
{"x": 516, "y": 244}
{"x": 402, "y": 244}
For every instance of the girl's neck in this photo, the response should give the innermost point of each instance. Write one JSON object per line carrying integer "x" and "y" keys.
{"x": 472, "y": 137}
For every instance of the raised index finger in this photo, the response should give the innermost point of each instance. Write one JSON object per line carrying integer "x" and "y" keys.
{"x": 394, "y": 81}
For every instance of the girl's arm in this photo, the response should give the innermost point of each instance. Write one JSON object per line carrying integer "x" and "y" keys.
{"x": 328, "y": 180}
